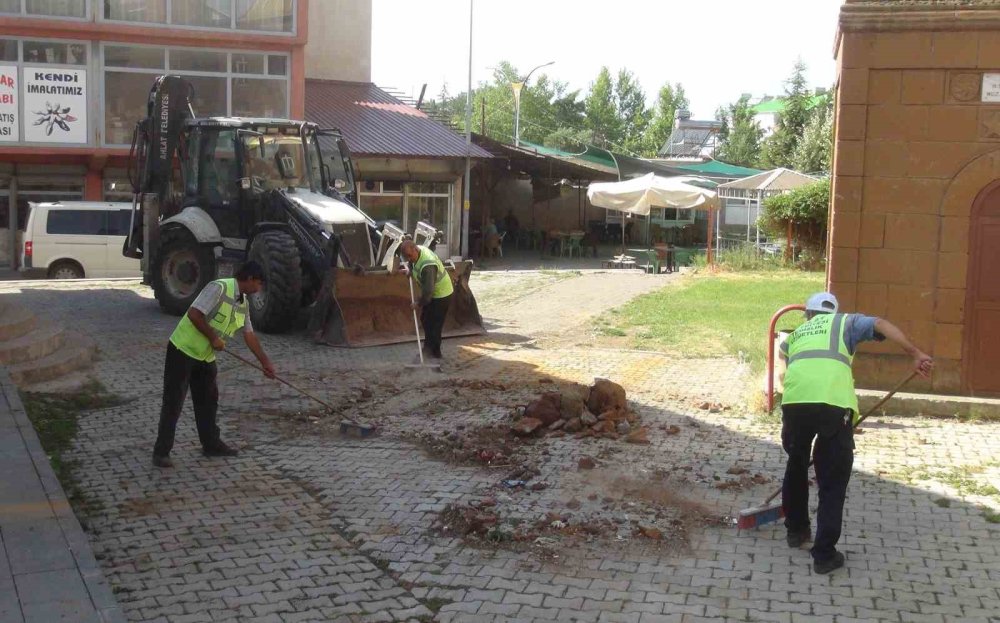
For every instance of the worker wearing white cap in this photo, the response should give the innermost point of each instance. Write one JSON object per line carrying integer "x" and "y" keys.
{"x": 819, "y": 403}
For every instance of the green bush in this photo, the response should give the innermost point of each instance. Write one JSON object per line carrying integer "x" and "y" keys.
{"x": 807, "y": 209}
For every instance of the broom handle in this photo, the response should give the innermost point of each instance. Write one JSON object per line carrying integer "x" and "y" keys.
{"x": 278, "y": 378}
{"x": 864, "y": 417}
{"x": 416, "y": 326}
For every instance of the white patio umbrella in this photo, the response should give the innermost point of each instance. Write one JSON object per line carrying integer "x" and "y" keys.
{"x": 638, "y": 195}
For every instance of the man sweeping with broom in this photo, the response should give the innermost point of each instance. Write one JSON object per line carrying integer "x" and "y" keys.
{"x": 435, "y": 292}
{"x": 819, "y": 403}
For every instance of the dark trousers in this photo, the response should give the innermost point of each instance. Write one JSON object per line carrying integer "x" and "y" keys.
{"x": 833, "y": 455}
{"x": 179, "y": 373}
{"x": 432, "y": 317}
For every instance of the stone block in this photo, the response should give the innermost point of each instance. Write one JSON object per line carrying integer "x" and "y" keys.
{"x": 902, "y": 195}
{"x": 902, "y": 50}
{"x": 989, "y": 50}
{"x": 949, "y": 306}
{"x": 911, "y": 303}
{"x": 893, "y": 122}
{"x": 988, "y": 129}
{"x": 856, "y": 50}
{"x": 843, "y": 264}
{"x": 873, "y": 298}
{"x": 953, "y": 123}
{"x": 896, "y": 266}
{"x": 845, "y": 229}
{"x": 847, "y": 193}
{"x": 954, "y": 49}
{"x": 947, "y": 377}
{"x": 911, "y": 231}
{"x": 849, "y": 158}
{"x": 885, "y": 86}
{"x": 872, "y": 231}
{"x": 948, "y": 341}
{"x": 941, "y": 160}
{"x": 851, "y": 122}
{"x": 853, "y": 86}
{"x": 886, "y": 159}
{"x": 921, "y": 264}
{"x": 952, "y": 269}
{"x": 964, "y": 189}
{"x": 847, "y": 295}
{"x": 923, "y": 87}
{"x": 954, "y": 234}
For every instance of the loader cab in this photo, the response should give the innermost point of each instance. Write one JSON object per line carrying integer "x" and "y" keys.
{"x": 211, "y": 169}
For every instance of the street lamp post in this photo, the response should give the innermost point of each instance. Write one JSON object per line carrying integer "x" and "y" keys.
{"x": 467, "y": 180}
{"x": 517, "y": 86}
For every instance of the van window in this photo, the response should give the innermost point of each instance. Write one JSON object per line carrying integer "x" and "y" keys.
{"x": 77, "y": 222}
{"x": 119, "y": 222}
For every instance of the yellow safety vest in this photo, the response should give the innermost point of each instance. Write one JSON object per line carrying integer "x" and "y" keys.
{"x": 443, "y": 286}
{"x": 819, "y": 364}
{"x": 226, "y": 319}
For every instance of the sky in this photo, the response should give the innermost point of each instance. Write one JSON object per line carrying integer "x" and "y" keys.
{"x": 718, "y": 49}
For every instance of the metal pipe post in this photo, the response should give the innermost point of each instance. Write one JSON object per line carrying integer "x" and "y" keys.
{"x": 467, "y": 181}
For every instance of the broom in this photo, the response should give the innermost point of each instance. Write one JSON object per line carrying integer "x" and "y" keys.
{"x": 767, "y": 512}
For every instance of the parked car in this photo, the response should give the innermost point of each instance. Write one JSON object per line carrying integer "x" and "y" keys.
{"x": 78, "y": 240}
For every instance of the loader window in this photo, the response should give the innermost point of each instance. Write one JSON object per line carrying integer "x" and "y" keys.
{"x": 283, "y": 164}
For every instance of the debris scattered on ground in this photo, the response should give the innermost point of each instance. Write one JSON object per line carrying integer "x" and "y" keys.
{"x": 586, "y": 463}
{"x": 482, "y": 445}
{"x": 600, "y": 410}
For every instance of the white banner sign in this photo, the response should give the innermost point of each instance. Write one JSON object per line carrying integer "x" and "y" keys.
{"x": 991, "y": 88}
{"x": 55, "y": 105}
{"x": 8, "y": 104}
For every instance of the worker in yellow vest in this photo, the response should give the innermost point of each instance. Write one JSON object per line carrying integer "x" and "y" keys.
{"x": 219, "y": 311}
{"x": 819, "y": 403}
{"x": 435, "y": 292}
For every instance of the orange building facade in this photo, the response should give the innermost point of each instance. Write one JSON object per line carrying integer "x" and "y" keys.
{"x": 915, "y": 217}
{"x": 75, "y": 76}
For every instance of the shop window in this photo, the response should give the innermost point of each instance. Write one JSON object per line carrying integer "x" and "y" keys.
{"x": 259, "y": 98}
{"x": 117, "y": 189}
{"x": 383, "y": 208}
{"x": 57, "y": 8}
{"x": 197, "y": 60}
{"x": 134, "y": 56}
{"x": 433, "y": 210}
{"x": 10, "y": 6}
{"x": 248, "y": 63}
{"x": 205, "y": 13}
{"x": 125, "y": 96}
{"x": 277, "y": 65}
{"x": 55, "y": 52}
{"x": 8, "y": 50}
{"x": 151, "y": 11}
{"x": 209, "y": 96}
{"x": 266, "y": 16}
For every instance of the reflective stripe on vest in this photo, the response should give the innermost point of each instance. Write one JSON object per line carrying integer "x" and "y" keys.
{"x": 443, "y": 286}
{"x": 226, "y": 318}
{"x": 819, "y": 364}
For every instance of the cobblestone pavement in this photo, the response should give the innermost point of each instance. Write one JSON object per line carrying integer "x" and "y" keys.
{"x": 306, "y": 525}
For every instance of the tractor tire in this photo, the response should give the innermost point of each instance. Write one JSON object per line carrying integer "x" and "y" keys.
{"x": 275, "y": 308}
{"x": 180, "y": 271}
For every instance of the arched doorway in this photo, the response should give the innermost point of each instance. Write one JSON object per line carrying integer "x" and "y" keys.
{"x": 982, "y": 307}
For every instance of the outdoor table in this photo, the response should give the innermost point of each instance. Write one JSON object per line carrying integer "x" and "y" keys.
{"x": 619, "y": 261}
{"x": 664, "y": 256}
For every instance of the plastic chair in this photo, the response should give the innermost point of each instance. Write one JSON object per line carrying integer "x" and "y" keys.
{"x": 652, "y": 264}
{"x": 500, "y": 244}
{"x": 574, "y": 244}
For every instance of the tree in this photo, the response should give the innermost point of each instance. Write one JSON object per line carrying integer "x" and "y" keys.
{"x": 740, "y": 139}
{"x": 669, "y": 100}
{"x": 779, "y": 148}
{"x": 630, "y": 100}
{"x": 814, "y": 151}
{"x": 601, "y": 112}
{"x": 807, "y": 209}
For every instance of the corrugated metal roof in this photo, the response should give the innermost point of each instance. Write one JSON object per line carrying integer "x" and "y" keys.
{"x": 375, "y": 123}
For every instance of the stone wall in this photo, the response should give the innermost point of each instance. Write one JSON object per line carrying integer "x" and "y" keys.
{"x": 914, "y": 147}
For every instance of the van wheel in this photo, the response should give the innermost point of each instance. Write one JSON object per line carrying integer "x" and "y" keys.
{"x": 181, "y": 269}
{"x": 66, "y": 270}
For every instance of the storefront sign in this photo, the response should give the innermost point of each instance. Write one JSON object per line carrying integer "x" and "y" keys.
{"x": 991, "y": 87}
{"x": 8, "y": 104}
{"x": 55, "y": 105}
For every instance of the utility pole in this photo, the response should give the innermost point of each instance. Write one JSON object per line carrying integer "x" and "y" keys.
{"x": 467, "y": 181}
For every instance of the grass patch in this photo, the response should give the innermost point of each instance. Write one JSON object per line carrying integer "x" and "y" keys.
{"x": 943, "y": 502}
{"x": 991, "y": 516}
{"x": 54, "y": 417}
{"x": 714, "y": 315}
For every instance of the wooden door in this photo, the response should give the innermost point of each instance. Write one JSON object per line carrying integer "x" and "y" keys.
{"x": 982, "y": 311}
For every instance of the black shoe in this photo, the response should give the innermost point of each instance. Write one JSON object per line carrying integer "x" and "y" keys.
{"x": 826, "y": 566}
{"x": 220, "y": 449}
{"x": 797, "y": 538}
{"x": 162, "y": 461}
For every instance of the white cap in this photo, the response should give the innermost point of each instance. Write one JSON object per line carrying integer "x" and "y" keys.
{"x": 823, "y": 303}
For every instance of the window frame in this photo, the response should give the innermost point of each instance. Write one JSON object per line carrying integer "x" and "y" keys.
{"x": 232, "y": 21}
{"x": 406, "y": 194}
{"x": 229, "y": 75}
{"x": 87, "y": 12}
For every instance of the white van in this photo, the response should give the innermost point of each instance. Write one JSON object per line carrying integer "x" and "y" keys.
{"x": 77, "y": 240}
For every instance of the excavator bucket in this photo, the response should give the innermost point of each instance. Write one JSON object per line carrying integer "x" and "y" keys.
{"x": 358, "y": 309}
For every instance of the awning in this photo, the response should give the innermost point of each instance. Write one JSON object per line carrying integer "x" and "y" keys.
{"x": 638, "y": 195}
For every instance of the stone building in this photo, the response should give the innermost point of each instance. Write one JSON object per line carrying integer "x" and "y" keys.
{"x": 915, "y": 233}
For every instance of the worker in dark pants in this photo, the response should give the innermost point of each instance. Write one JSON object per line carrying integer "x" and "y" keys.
{"x": 435, "y": 293}
{"x": 219, "y": 311}
{"x": 819, "y": 403}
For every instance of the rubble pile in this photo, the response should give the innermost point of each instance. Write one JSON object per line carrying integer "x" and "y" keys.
{"x": 600, "y": 410}
{"x": 482, "y": 445}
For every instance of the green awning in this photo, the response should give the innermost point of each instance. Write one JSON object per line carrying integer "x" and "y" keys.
{"x": 721, "y": 169}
